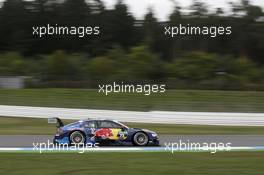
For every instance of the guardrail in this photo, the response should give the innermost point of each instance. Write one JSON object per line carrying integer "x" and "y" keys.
{"x": 162, "y": 117}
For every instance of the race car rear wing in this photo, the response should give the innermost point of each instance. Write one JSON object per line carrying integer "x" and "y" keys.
{"x": 56, "y": 120}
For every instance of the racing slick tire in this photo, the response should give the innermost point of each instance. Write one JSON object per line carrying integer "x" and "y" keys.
{"x": 76, "y": 137}
{"x": 140, "y": 139}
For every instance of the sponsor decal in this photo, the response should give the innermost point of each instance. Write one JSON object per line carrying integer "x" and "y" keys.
{"x": 104, "y": 133}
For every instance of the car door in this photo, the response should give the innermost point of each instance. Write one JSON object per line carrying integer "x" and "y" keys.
{"x": 108, "y": 130}
{"x": 90, "y": 128}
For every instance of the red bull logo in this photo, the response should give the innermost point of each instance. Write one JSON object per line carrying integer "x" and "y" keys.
{"x": 104, "y": 133}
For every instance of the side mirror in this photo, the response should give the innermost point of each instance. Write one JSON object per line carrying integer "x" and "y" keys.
{"x": 123, "y": 129}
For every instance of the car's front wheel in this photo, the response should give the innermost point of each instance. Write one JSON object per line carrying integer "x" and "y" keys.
{"x": 77, "y": 137}
{"x": 140, "y": 139}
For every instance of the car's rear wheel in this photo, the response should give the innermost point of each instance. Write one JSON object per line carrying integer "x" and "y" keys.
{"x": 140, "y": 139}
{"x": 77, "y": 137}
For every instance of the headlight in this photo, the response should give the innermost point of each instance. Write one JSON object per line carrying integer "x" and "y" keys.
{"x": 154, "y": 134}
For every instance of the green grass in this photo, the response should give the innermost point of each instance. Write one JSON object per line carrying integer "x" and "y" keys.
{"x": 31, "y": 126}
{"x": 226, "y": 163}
{"x": 26, "y": 126}
{"x": 174, "y": 100}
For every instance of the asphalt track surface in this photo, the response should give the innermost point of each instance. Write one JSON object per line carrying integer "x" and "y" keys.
{"x": 235, "y": 140}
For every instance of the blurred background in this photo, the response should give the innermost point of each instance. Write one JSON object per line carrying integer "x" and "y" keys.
{"x": 134, "y": 51}
{"x": 222, "y": 74}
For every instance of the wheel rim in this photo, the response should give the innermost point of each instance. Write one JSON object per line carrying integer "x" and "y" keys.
{"x": 77, "y": 138}
{"x": 141, "y": 139}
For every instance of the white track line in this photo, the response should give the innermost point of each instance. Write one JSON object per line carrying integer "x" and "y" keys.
{"x": 163, "y": 117}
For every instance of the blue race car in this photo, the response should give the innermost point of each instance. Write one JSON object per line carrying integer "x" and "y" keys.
{"x": 103, "y": 132}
